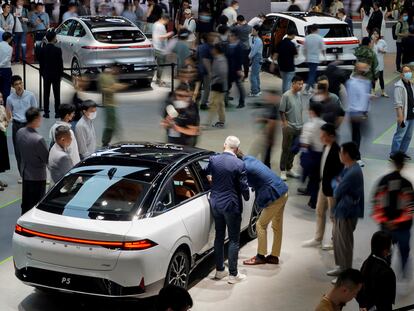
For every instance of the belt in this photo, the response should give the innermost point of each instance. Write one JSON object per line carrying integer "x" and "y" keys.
{"x": 18, "y": 122}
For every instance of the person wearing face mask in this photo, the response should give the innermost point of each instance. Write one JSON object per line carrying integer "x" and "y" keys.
{"x": 181, "y": 118}
{"x": 67, "y": 112}
{"x": 346, "y": 288}
{"x": 85, "y": 130}
{"x": 34, "y": 157}
{"x": 231, "y": 13}
{"x": 404, "y": 106}
{"x": 60, "y": 161}
{"x": 6, "y": 52}
{"x": 379, "y": 289}
{"x": 392, "y": 210}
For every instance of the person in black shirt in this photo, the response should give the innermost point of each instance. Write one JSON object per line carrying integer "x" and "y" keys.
{"x": 407, "y": 45}
{"x": 332, "y": 111}
{"x": 336, "y": 76}
{"x": 285, "y": 55}
{"x": 375, "y": 20}
{"x": 181, "y": 118}
{"x": 379, "y": 288}
{"x": 393, "y": 206}
{"x": 154, "y": 12}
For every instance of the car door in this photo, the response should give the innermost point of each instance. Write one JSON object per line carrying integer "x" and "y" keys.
{"x": 77, "y": 40}
{"x": 63, "y": 41}
{"x": 184, "y": 198}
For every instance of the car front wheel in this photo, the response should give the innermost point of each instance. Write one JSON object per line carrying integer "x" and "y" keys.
{"x": 178, "y": 270}
{"x": 251, "y": 229}
{"x": 75, "y": 69}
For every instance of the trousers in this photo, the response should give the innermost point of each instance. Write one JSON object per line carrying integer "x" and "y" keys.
{"x": 55, "y": 84}
{"x": 216, "y": 107}
{"x": 32, "y": 192}
{"x": 286, "y": 159}
{"x": 15, "y": 127}
{"x": 272, "y": 213}
{"x": 343, "y": 241}
{"x": 324, "y": 206}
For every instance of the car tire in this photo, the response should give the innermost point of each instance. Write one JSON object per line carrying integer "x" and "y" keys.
{"x": 75, "y": 68}
{"x": 178, "y": 270}
{"x": 144, "y": 83}
{"x": 251, "y": 229}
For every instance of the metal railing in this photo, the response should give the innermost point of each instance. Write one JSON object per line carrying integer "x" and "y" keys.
{"x": 68, "y": 77}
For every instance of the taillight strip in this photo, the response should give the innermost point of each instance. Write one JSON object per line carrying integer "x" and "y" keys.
{"x": 341, "y": 42}
{"x": 134, "y": 245}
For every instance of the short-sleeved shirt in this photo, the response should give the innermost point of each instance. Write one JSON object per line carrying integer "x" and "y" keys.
{"x": 204, "y": 51}
{"x": 105, "y": 81}
{"x": 286, "y": 55}
{"x": 157, "y": 31}
{"x": 314, "y": 45}
{"x": 331, "y": 108}
{"x": 326, "y": 305}
{"x": 292, "y": 105}
{"x": 188, "y": 117}
{"x": 244, "y": 32}
{"x": 18, "y": 105}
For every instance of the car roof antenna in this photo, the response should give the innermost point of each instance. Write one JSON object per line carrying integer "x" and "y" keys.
{"x": 111, "y": 172}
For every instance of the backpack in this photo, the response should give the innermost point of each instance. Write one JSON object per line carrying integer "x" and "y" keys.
{"x": 394, "y": 30}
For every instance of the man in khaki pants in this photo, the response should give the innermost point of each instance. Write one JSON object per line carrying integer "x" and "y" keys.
{"x": 331, "y": 167}
{"x": 271, "y": 196}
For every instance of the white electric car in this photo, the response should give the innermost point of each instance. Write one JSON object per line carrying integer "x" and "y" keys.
{"x": 123, "y": 223}
{"x": 339, "y": 41}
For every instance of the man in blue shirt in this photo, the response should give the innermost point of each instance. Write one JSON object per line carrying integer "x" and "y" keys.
{"x": 271, "y": 198}
{"x": 17, "y": 104}
{"x": 349, "y": 198}
{"x": 228, "y": 185}
{"x": 39, "y": 19}
{"x": 255, "y": 57}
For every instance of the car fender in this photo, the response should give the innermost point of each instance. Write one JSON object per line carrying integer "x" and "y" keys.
{"x": 183, "y": 241}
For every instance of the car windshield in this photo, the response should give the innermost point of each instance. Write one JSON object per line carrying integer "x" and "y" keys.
{"x": 334, "y": 31}
{"x": 112, "y": 193}
{"x": 101, "y": 22}
{"x": 118, "y": 36}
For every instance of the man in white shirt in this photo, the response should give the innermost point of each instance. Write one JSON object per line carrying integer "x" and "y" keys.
{"x": 258, "y": 20}
{"x": 231, "y": 13}
{"x": 160, "y": 37}
{"x": 312, "y": 148}
{"x": 6, "y": 52}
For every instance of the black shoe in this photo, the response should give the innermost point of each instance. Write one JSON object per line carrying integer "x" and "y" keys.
{"x": 312, "y": 206}
{"x": 240, "y": 106}
{"x": 219, "y": 125}
{"x": 204, "y": 107}
{"x": 303, "y": 191}
{"x": 407, "y": 157}
{"x": 230, "y": 98}
{"x": 46, "y": 116}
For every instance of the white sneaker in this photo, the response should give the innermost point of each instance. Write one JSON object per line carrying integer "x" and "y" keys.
{"x": 236, "y": 279}
{"x": 333, "y": 282}
{"x": 221, "y": 274}
{"x": 361, "y": 163}
{"x": 20, "y": 181}
{"x": 292, "y": 174}
{"x": 327, "y": 247}
{"x": 312, "y": 243}
{"x": 335, "y": 272}
{"x": 283, "y": 175}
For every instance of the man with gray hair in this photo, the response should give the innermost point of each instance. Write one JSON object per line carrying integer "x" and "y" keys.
{"x": 228, "y": 186}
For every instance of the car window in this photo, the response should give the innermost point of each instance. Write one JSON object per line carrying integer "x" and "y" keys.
{"x": 119, "y": 36}
{"x": 334, "y": 31}
{"x": 180, "y": 188}
{"x": 96, "y": 193}
{"x": 63, "y": 30}
{"x": 78, "y": 30}
{"x": 201, "y": 168}
{"x": 281, "y": 30}
{"x": 292, "y": 26}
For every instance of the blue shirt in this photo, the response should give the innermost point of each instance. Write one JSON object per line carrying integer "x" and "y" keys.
{"x": 349, "y": 194}
{"x": 44, "y": 17}
{"x": 314, "y": 45}
{"x": 359, "y": 93}
{"x": 229, "y": 183}
{"x": 268, "y": 186}
{"x": 256, "y": 48}
{"x": 18, "y": 105}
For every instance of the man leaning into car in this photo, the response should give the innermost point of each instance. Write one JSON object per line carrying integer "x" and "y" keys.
{"x": 229, "y": 184}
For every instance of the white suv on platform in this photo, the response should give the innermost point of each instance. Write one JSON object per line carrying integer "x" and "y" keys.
{"x": 339, "y": 41}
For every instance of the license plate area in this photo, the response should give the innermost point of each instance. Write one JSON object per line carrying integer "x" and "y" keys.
{"x": 334, "y": 50}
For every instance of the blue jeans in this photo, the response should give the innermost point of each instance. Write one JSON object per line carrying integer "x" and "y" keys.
{"x": 287, "y": 77}
{"x": 232, "y": 221}
{"x": 402, "y": 238}
{"x": 402, "y": 137}
{"x": 255, "y": 76}
{"x": 313, "y": 68}
{"x": 20, "y": 42}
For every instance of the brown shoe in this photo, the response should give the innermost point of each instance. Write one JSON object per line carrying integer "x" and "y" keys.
{"x": 274, "y": 260}
{"x": 254, "y": 261}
